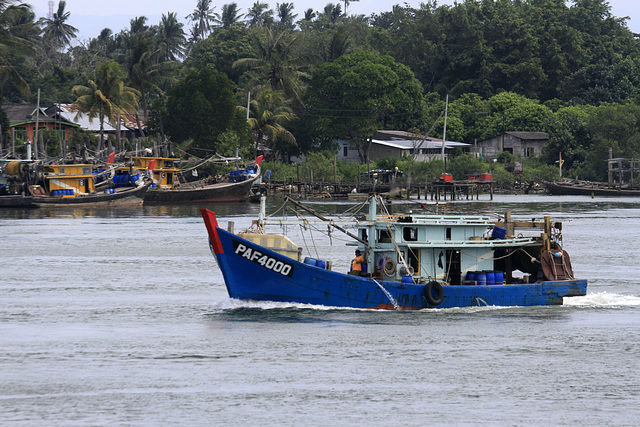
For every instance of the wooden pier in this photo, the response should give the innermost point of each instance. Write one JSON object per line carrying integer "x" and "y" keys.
{"x": 436, "y": 190}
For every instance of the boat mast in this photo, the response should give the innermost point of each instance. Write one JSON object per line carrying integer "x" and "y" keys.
{"x": 314, "y": 213}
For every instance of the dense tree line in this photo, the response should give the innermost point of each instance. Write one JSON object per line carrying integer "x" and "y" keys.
{"x": 302, "y": 81}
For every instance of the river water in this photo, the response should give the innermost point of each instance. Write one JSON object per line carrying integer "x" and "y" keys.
{"x": 121, "y": 317}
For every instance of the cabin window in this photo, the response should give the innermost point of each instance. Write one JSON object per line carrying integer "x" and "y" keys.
{"x": 345, "y": 151}
{"x": 363, "y": 235}
{"x": 528, "y": 152}
{"x": 384, "y": 236}
{"x": 61, "y": 171}
{"x": 86, "y": 171}
{"x": 448, "y": 233}
{"x": 410, "y": 234}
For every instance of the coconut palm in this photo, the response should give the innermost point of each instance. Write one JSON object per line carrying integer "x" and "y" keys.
{"x": 259, "y": 15}
{"x": 203, "y": 16}
{"x": 56, "y": 29}
{"x": 106, "y": 96}
{"x": 229, "y": 15}
{"x": 268, "y": 116}
{"x": 171, "y": 37}
{"x": 276, "y": 63}
{"x": 285, "y": 14}
{"x": 17, "y": 28}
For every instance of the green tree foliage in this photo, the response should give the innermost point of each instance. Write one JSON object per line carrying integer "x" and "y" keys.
{"x": 362, "y": 92}
{"x": 56, "y": 29}
{"x": 106, "y": 96}
{"x": 277, "y": 63}
{"x": 268, "y": 116}
{"x": 221, "y": 50}
{"x": 201, "y": 106}
{"x": 203, "y": 18}
{"x": 17, "y": 29}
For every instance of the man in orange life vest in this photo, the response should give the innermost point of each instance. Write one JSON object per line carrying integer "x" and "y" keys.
{"x": 356, "y": 264}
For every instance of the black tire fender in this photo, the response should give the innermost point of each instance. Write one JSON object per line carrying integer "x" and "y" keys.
{"x": 434, "y": 293}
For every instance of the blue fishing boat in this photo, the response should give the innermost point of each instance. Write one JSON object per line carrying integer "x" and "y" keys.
{"x": 411, "y": 262}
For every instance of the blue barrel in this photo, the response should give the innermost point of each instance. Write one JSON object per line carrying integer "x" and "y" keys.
{"x": 481, "y": 278}
{"x": 320, "y": 264}
{"x": 310, "y": 261}
{"x": 407, "y": 279}
{"x": 499, "y": 277}
{"x": 499, "y": 233}
{"x": 471, "y": 275}
{"x": 70, "y": 192}
{"x": 491, "y": 278}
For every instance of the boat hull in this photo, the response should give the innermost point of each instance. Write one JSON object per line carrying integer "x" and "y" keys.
{"x": 16, "y": 201}
{"x": 570, "y": 189}
{"x": 129, "y": 197}
{"x": 252, "y": 272}
{"x": 225, "y": 192}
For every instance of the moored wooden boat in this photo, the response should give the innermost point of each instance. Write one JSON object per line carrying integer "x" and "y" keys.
{"x": 73, "y": 186}
{"x": 588, "y": 188}
{"x": 167, "y": 189}
{"x": 414, "y": 262}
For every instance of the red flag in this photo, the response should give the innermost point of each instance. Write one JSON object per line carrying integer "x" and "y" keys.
{"x": 152, "y": 164}
{"x": 110, "y": 158}
{"x": 259, "y": 159}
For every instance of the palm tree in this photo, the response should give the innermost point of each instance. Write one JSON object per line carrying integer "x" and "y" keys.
{"x": 229, "y": 15}
{"x": 56, "y": 29}
{"x": 285, "y": 14}
{"x": 259, "y": 15}
{"x": 309, "y": 14}
{"x": 268, "y": 114}
{"x": 171, "y": 36}
{"x": 106, "y": 96}
{"x": 332, "y": 12}
{"x": 17, "y": 27}
{"x": 276, "y": 63}
{"x": 203, "y": 16}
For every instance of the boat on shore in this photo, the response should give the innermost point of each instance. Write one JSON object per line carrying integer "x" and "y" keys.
{"x": 167, "y": 189}
{"x": 414, "y": 261}
{"x": 575, "y": 187}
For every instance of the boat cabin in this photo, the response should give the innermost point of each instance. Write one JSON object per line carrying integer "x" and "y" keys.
{"x": 447, "y": 249}
{"x": 162, "y": 170}
{"x": 68, "y": 180}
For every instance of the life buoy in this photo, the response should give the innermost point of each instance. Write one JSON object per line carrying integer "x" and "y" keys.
{"x": 432, "y": 288}
{"x": 389, "y": 267}
{"x": 381, "y": 261}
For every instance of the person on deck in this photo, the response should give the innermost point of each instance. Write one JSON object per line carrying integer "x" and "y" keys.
{"x": 356, "y": 264}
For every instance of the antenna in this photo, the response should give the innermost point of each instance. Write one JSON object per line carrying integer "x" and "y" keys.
{"x": 50, "y": 9}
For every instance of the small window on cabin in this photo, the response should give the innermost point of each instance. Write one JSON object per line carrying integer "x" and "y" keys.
{"x": 86, "y": 171}
{"x": 448, "y": 233}
{"x": 61, "y": 170}
{"x": 384, "y": 236}
{"x": 410, "y": 234}
{"x": 345, "y": 151}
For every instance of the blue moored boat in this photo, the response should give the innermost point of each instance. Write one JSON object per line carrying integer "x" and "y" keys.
{"x": 419, "y": 261}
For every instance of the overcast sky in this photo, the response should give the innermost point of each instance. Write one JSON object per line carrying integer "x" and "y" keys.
{"x": 91, "y": 16}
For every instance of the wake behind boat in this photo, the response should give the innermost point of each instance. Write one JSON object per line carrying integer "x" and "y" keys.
{"x": 409, "y": 262}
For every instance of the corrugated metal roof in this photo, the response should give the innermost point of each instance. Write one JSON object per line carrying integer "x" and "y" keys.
{"x": 408, "y": 144}
{"x": 83, "y": 119}
{"x": 529, "y": 135}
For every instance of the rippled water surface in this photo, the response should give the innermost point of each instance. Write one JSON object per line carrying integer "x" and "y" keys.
{"x": 122, "y": 317}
